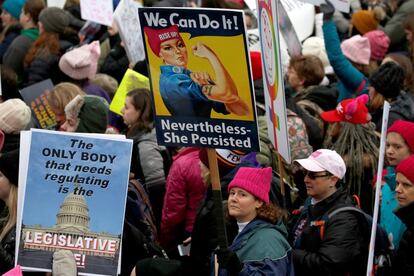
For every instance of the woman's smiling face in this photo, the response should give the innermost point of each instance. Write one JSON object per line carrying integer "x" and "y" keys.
{"x": 174, "y": 52}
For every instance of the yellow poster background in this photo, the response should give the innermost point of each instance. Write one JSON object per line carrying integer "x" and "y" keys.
{"x": 230, "y": 51}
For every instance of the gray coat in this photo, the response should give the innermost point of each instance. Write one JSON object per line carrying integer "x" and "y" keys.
{"x": 14, "y": 56}
{"x": 395, "y": 26}
{"x": 147, "y": 163}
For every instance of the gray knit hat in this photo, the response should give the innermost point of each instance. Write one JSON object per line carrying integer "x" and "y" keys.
{"x": 54, "y": 20}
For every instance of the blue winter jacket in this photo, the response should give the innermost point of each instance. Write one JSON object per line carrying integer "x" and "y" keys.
{"x": 263, "y": 249}
{"x": 388, "y": 220}
{"x": 351, "y": 81}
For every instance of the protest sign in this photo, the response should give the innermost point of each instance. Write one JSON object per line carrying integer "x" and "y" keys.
{"x": 56, "y": 3}
{"x": 200, "y": 78}
{"x": 341, "y": 5}
{"x": 72, "y": 194}
{"x": 35, "y": 97}
{"x": 130, "y": 81}
{"x": 99, "y": 11}
{"x": 302, "y": 17}
{"x": 126, "y": 18}
{"x": 294, "y": 47}
{"x": 272, "y": 80}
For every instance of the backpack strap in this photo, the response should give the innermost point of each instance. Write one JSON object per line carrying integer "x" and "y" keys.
{"x": 345, "y": 208}
{"x": 320, "y": 224}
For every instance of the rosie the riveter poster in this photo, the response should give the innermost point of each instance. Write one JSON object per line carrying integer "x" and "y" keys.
{"x": 200, "y": 78}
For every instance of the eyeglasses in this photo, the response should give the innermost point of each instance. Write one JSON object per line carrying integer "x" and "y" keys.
{"x": 314, "y": 175}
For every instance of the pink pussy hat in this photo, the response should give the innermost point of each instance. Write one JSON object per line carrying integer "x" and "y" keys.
{"x": 253, "y": 180}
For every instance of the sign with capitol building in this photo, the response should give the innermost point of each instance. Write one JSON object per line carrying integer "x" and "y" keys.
{"x": 74, "y": 196}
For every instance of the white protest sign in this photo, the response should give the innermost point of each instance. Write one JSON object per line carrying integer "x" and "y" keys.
{"x": 272, "y": 78}
{"x": 385, "y": 114}
{"x": 302, "y": 16}
{"x": 341, "y": 5}
{"x": 56, "y": 3}
{"x": 99, "y": 11}
{"x": 126, "y": 18}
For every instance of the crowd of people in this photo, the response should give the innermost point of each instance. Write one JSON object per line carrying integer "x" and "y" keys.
{"x": 279, "y": 219}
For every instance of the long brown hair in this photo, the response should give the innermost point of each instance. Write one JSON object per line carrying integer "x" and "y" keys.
{"x": 141, "y": 100}
{"x": 10, "y": 220}
{"x": 48, "y": 42}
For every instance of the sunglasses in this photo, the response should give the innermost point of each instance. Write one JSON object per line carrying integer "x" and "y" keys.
{"x": 315, "y": 175}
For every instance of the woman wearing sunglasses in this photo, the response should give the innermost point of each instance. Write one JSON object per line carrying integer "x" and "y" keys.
{"x": 334, "y": 247}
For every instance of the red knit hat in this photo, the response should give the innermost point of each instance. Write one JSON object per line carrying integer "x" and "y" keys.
{"x": 254, "y": 180}
{"x": 406, "y": 130}
{"x": 256, "y": 60}
{"x": 405, "y": 167}
{"x": 157, "y": 36}
{"x": 352, "y": 111}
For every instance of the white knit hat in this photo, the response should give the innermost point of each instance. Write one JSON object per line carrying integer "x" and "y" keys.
{"x": 15, "y": 115}
{"x": 316, "y": 46}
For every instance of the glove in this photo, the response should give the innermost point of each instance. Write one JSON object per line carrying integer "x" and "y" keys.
{"x": 228, "y": 259}
{"x": 328, "y": 10}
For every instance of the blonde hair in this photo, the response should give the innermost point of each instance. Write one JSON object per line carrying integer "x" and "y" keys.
{"x": 62, "y": 94}
{"x": 10, "y": 220}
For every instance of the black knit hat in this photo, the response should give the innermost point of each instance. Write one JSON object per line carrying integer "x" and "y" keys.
{"x": 9, "y": 165}
{"x": 388, "y": 79}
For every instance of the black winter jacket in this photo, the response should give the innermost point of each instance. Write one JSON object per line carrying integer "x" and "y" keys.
{"x": 7, "y": 247}
{"x": 340, "y": 252}
{"x": 403, "y": 262}
{"x": 46, "y": 65}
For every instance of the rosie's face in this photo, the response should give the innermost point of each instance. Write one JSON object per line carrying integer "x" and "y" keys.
{"x": 174, "y": 52}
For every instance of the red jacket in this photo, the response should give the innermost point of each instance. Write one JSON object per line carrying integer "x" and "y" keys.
{"x": 185, "y": 190}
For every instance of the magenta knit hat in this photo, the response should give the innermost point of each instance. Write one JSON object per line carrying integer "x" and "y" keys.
{"x": 81, "y": 63}
{"x": 406, "y": 130}
{"x": 405, "y": 167}
{"x": 379, "y": 43}
{"x": 357, "y": 49}
{"x": 254, "y": 180}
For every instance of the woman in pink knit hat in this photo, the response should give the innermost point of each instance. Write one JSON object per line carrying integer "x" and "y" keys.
{"x": 400, "y": 145}
{"x": 261, "y": 247}
{"x": 402, "y": 263}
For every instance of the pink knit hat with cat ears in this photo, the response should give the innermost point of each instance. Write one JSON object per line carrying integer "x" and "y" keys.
{"x": 256, "y": 181}
{"x": 81, "y": 63}
{"x": 357, "y": 49}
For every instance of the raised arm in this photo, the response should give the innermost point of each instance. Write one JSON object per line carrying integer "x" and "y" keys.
{"x": 223, "y": 89}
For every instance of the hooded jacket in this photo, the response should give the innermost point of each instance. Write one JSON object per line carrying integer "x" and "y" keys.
{"x": 185, "y": 190}
{"x": 263, "y": 249}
